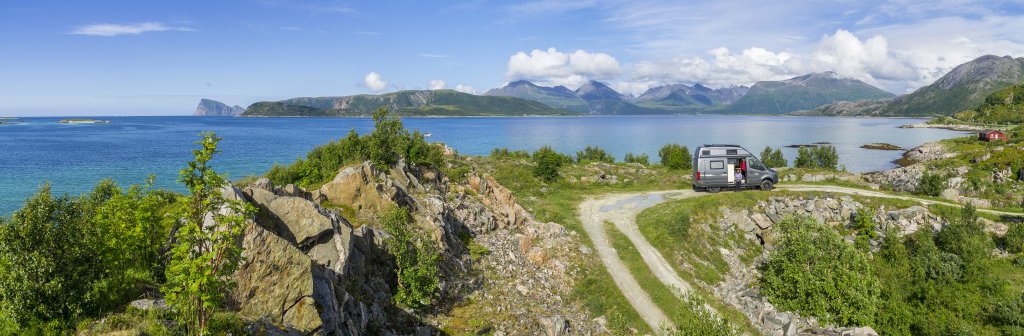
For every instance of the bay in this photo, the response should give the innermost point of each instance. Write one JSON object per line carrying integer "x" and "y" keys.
{"x": 72, "y": 158}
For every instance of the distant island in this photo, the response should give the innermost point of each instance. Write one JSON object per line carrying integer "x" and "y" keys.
{"x": 83, "y": 121}
{"x": 404, "y": 103}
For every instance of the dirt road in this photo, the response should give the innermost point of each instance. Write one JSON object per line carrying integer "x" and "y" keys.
{"x": 621, "y": 210}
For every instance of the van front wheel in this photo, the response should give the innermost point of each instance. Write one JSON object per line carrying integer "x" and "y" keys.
{"x": 767, "y": 185}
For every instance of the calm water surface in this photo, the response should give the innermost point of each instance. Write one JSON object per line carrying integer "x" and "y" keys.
{"x": 73, "y": 157}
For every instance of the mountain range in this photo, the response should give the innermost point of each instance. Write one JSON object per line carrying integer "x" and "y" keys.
{"x": 964, "y": 87}
{"x": 213, "y": 108}
{"x": 803, "y": 93}
{"x": 405, "y": 103}
{"x": 827, "y": 93}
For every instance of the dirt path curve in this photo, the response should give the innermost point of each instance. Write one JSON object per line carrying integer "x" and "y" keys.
{"x": 621, "y": 210}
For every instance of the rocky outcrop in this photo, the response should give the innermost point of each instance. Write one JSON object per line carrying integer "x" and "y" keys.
{"x": 329, "y": 278}
{"x": 213, "y": 108}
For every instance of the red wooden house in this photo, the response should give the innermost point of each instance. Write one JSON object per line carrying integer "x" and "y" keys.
{"x": 991, "y": 135}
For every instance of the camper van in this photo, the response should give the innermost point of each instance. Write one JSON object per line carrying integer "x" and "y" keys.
{"x": 715, "y": 167}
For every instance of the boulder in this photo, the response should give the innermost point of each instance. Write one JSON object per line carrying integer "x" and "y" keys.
{"x": 147, "y": 304}
{"x": 277, "y": 282}
{"x": 304, "y": 220}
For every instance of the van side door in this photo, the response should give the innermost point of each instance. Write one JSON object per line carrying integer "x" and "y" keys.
{"x": 716, "y": 173}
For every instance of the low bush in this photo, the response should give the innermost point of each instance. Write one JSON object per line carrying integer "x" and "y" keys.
{"x": 1013, "y": 241}
{"x": 675, "y": 156}
{"x": 816, "y": 272}
{"x": 930, "y": 185}
{"x": 505, "y": 153}
{"x": 824, "y": 157}
{"x": 594, "y": 154}
{"x": 416, "y": 260}
{"x": 637, "y": 158}
{"x": 548, "y": 163}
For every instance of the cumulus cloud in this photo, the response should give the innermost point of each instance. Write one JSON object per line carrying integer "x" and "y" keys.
{"x": 374, "y": 82}
{"x": 870, "y": 60}
{"x": 558, "y": 68}
{"x": 436, "y": 84}
{"x": 465, "y": 89}
{"x": 109, "y": 29}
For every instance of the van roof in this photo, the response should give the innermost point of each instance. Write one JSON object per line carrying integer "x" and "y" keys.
{"x": 720, "y": 145}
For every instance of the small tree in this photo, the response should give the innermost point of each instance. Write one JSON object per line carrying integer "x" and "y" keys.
{"x": 675, "y": 156}
{"x": 387, "y": 139}
{"x": 773, "y": 158}
{"x": 205, "y": 254}
{"x": 548, "y": 163}
{"x": 824, "y": 157}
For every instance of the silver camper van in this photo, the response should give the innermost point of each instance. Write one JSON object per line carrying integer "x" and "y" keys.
{"x": 715, "y": 165}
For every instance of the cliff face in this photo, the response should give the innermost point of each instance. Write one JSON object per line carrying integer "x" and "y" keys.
{"x": 335, "y": 277}
{"x": 213, "y": 108}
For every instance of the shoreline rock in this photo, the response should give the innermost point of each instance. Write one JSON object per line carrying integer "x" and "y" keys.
{"x": 881, "y": 146}
{"x": 953, "y": 127}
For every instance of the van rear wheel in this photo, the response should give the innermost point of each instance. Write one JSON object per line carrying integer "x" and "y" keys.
{"x": 767, "y": 185}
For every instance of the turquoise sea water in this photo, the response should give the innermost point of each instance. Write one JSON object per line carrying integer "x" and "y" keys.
{"x": 73, "y": 157}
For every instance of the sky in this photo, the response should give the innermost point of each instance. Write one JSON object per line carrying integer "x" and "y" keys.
{"x": 62, "y": 58}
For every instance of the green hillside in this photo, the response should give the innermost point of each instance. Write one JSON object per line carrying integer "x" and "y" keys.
{"x": 409, "y": 103}
{"x": 964, "y": 87}
{"x": 1005, "y": 106}
{"x": 803, "y": 93}
{"x": 271, "y": 109}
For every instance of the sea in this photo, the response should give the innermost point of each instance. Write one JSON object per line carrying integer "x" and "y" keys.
{"x": 73, "y": 157}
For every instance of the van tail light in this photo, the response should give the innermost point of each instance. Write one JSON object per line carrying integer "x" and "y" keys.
{"x": 698, "y": 176}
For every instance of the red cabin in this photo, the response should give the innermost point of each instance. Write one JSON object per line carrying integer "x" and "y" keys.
{"x": 991, "y": 135}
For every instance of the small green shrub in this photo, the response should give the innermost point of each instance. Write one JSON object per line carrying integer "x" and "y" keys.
{"x": 695, "y": 319}
{"x": 416, "y": 260}
{"x": 1013, "y": 241}
{"x": 594, "y": 154}
{"x": 637, "y": 158}
{"x": 817, "y": 273}
{"x": 930, "y": 185}
{"x": 548, "y": 163}
{"x": 505, "y": 153}
{"x": 773, "y": 158}
{"x": 675, "y": 156}
{"x": 824, "y": 157}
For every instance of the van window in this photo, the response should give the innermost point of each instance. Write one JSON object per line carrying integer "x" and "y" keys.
{"x": 755, "y": 164}
{"x": 705, "y": 152}
{"x": 717, "y": 165}
{"x": 730, "y": 152}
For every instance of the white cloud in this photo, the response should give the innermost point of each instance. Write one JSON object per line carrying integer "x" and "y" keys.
{"x": 555, "y": 67}
{"x": 374, "y": 82}
{"x": 436, "y": 84}
{"x": 873, "y": 60}
{"x": 109, "y": 29}
{"x": 465, "y": 89}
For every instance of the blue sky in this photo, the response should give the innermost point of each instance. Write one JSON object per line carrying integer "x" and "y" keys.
{"x": 161, "y": 57}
